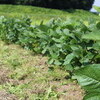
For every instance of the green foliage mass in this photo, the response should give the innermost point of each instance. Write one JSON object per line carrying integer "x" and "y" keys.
{"x": 63, "y": 42}
{"x": 88, "y": 76}
{"x": 57, "y": 4}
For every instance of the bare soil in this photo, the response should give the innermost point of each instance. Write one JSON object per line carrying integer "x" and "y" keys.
{"x": 7, "y": 96}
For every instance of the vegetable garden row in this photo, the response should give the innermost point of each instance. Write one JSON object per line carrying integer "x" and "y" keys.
{"x": 71, "y": 44}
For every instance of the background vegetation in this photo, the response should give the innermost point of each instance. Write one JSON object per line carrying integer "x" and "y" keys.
{"x": 57, "y": 4}
{"x": 37, "y": 14}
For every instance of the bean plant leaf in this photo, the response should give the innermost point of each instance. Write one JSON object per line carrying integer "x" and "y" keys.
{"x": 92, "y": 96}
{"x": 68, "y": 58}
{"x": 94, "y": 35}
{"x": 89, "y": 78}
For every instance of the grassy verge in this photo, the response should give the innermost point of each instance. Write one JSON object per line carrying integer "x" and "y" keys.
{"x": 38, "y": 14}
{"x": 26, "y": 75}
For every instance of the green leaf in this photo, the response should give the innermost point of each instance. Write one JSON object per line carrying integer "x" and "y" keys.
{"x": 68, "y": 58}
{"x": 57, "y": 40}
{"x": 98, "y": 25}
{"x": 69, "y": 67}
{"x": 92, "y": 96}
{"x": 89, "y": 78}
{"x": 57, "y": 62}
{"x": 50, "y": 61}
{"x": 95, "y": 35}
{"x": 66, "y": 31}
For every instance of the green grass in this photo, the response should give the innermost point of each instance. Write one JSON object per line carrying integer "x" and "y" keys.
{"x": 38, "y": 14}
{"x": 27, "y": 75}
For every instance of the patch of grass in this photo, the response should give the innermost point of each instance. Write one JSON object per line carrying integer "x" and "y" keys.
{"x": 27, "y": 75}
{"x": 37, "y": 14}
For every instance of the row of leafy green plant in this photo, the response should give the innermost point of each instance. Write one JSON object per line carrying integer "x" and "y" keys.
{"x": 72, "y": 44}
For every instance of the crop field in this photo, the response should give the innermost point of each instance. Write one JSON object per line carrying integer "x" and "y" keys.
{"x": 48, "y": 54}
